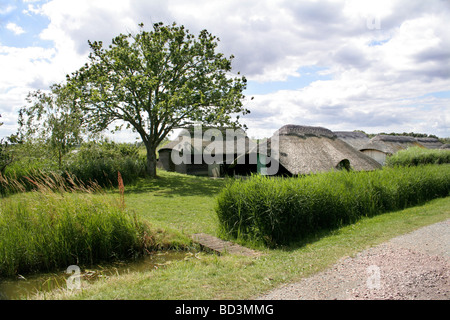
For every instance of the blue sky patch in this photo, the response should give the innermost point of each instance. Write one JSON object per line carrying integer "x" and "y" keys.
{"x": 374, "y": 43}
{"x": 439, "y": 94}
{"x": 308, "y": 75}
{"x": 31, "y": 24}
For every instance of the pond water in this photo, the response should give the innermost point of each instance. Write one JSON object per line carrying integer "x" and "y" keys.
{"x": 23, "y": 286}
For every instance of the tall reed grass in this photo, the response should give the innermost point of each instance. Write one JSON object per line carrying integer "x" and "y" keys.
{"x": 39, "y": 180}
{"x": 281, "y": 210}
{"x": 92, "y": 163}
{"x": 417, "y": 156}
{"x": 59, "y": 224}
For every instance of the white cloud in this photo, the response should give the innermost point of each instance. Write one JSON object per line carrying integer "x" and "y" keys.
{"x": 31, "y": 9}
{"x": 7, "y": 9}
{"x": 379, "y": 74}
{"x": 73, "y": 23}
{"x": 23, "y": 66}
{"x": 376, "y": 88}
{"x": 15, "y": 28}
{"x": 23, "y": 70}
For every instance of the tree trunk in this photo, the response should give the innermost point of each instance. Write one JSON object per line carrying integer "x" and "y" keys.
{"x": 151, "y": 160}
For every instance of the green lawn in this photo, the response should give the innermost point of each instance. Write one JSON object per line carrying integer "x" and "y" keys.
{"x": 176, "y": 201}
{"x": 185, "y": 205}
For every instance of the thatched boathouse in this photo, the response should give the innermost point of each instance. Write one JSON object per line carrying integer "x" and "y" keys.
{"x": 430, "y": 143}
{"x": 212, "y": 152}
{"x": 356, "y": 139}
{"x": 306, "y": 150}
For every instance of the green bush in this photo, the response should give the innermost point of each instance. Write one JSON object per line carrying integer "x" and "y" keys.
{"x": 45, "y": 231}
{"x": 277, "y": 210}
{"x": 93, "y": 162}
{"x": 29, "y": 158}
{"x": 417, "y": 156}
{"x": 100, "y": 162}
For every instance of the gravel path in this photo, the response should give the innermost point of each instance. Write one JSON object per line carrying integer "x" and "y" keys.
{"x": 415, "y": 266}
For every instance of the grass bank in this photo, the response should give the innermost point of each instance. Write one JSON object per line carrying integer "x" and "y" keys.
{"x": 179, "y": 205}
{"x": 186, "y": 204}
{"x": 207, "y": 276}
{"x": 58, "y": 225}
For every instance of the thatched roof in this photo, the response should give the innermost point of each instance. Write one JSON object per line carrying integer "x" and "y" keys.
{"x": 304, "y": 150}
{"x": 390, "y": 144}
{"x": 430, "y": 143}
{"x": 356, "y": 139}
{"x": 186, "y": 140}
{"x": 305, "y": 131}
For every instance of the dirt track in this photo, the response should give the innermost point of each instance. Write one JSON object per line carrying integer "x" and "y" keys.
{"x": 415, "y": 266}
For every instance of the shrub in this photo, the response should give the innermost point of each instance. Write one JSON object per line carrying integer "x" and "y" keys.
{"x": 417, "y": 156}
{"x": 101, "y": 162}
{"x": 277, "y": 210}
{"x": 93, "y": 162}
{"x": 29, "y": 158}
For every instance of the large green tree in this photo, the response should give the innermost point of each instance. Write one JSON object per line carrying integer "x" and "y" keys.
{"x": 156, "y": 81}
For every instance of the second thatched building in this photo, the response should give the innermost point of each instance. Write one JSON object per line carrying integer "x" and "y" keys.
{"x": 382, "y": 146}
{"x": 297, "y": 150}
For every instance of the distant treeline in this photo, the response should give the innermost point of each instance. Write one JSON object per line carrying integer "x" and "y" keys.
{"x": 407, "y": 134}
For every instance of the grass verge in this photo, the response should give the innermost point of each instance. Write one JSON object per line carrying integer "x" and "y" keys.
{"x": 56, "y": 226}
{"x": 207, "y": 276}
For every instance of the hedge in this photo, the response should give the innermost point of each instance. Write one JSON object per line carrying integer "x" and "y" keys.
{"x": 277, "y": 210}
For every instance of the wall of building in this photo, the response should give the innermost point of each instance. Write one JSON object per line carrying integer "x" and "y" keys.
{"x": 378, "y": 156}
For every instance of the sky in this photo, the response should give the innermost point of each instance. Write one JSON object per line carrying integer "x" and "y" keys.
{"x": 377, "y": 66}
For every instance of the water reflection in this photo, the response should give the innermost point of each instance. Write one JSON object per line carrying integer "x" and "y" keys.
{"x": 22, "y": 286}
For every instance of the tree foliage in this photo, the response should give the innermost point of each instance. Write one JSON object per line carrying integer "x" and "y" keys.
{"x": 157, "y": 81}
{"x": 406, "y": 134}
{"x": 51, "y": 118}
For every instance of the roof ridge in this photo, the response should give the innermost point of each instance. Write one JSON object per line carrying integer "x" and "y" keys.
{"x": 303, "y": 131}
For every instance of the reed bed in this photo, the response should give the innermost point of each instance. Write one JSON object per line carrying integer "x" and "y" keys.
{"x": 417, "y": 156}
{"x": 39, "y": 180}
{"x": 276, "y": 211}
{"x": 62, "y": 223}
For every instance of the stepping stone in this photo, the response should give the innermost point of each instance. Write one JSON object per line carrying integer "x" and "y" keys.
{"x": 220, "y": 246}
